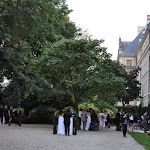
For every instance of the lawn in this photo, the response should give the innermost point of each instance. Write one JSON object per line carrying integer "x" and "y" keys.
{"x": 142, "y": 139}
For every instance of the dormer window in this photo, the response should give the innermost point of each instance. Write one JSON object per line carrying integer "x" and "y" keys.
{"x": 129, "y": 62}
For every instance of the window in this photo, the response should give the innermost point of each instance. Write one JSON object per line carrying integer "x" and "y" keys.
{"x": 128, "y": 62}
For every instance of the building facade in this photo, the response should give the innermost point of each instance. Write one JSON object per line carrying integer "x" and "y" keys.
{"x": 137, "y": 54}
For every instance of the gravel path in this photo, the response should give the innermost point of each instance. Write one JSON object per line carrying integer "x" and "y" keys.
{"x": 40, "y": 137}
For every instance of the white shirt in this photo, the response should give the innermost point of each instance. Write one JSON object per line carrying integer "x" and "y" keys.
{"x": 131, "y": 117}
{"x": 80, "y": 113}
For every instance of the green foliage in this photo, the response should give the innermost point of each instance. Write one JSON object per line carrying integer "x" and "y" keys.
{"x": 87, "y": 105}
{"x": 27, "y": 27}
{"x": 80, "y": 69}
{"x": 141, "y": 138}
{"x": 133, "y": 87}
{"x": 112, "y": 114}
{"x": 65, "y": 108}
{"x": 41, "y": 114}
{"x": 134, "y": 109}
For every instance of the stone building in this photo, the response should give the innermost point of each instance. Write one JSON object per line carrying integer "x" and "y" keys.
{"x": 137, "y": 54}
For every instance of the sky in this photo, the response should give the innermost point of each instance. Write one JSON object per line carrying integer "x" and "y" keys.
{"x": 110, "y": 19}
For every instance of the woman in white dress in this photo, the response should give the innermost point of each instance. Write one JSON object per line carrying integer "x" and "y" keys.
{"x": 102, "y": 119}
{"x": 71, "y": 124}
{"x": 61, "y": 126}
{"x": 88, "y": 121}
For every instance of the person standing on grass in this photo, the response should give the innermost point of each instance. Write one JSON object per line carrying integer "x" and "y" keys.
{"x": 145, "y": 117}
{"x": 124, "y": 123}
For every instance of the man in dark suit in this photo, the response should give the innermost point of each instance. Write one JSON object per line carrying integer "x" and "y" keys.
{"x": 75, "y": 122}
{"x": 1, "y": 114}
{"x": 117, "y": 119}
{"x": 55, "y": 121}
{"x": 67, "y": 117}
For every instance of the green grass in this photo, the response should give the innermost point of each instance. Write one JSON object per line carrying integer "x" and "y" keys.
{"x": 142, "y": 139}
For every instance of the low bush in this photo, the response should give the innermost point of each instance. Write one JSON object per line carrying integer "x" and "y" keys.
{"x": 41, "y": 114}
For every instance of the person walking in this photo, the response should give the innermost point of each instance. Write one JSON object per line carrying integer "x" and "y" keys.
{"x": 124, "y": 123}
{"x": 145, "y": 118}
{"x": 67, "y": 117}
{"x": 55, "y": 121}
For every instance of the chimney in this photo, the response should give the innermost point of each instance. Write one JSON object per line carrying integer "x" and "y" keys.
{"x": 148, "y": 18}
{"x": 140, "y": 28}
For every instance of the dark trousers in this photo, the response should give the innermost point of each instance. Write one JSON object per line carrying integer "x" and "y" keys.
{"x": 79, "y": 123}
{"x": 67, "y": 129}
{"x": 145, "y": 127}
{"x": 118, "y": 127}
{"x": 1, "y": 119}
{"x": 74, "y": 128}
{"x": 6, "y": 119}
{"x": 124, "y": 129}
{"x": 84, "y": 124}
{"x": 55, "y": 128}
{"x": 93, "y": 124}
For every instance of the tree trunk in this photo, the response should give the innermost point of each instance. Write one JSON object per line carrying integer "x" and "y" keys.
{"x": 76, "y": 104}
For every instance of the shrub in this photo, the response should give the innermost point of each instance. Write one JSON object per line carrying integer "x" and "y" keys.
{"x": 41, "y": 114}
{"x": 87, "y": 105}
{"x": 65, "y": 108}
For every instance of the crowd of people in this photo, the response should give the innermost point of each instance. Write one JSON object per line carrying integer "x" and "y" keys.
{"x": 123, "y": 120}
{"x": 8, "y": 115}
{"x": 70, "y": 121}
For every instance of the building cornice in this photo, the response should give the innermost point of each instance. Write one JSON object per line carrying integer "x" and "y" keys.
{"x": 126, "y": 56}
{"x": 143, "y": 39}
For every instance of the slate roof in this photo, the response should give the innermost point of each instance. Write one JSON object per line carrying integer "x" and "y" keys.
{"x": 130, "y": 48}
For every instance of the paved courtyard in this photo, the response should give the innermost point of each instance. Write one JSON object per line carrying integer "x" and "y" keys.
{"x": 40, "y": 137}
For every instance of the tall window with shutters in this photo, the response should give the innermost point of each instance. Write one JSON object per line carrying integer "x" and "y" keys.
{"x": 129, "y": 62}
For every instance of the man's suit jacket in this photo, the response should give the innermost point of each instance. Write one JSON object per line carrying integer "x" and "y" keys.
{"x": 67, "y": 117}
{"x": 84, "y": 116}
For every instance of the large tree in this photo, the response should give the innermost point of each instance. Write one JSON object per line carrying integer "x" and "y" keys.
{"x": 26, "y": 28}
{"x": 78, "y": 67}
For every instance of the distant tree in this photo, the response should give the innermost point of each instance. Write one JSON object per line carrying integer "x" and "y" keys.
{"x": 133, "y": 87}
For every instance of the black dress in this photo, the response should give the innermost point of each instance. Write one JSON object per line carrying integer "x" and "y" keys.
{"x": 108, "y": 118}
